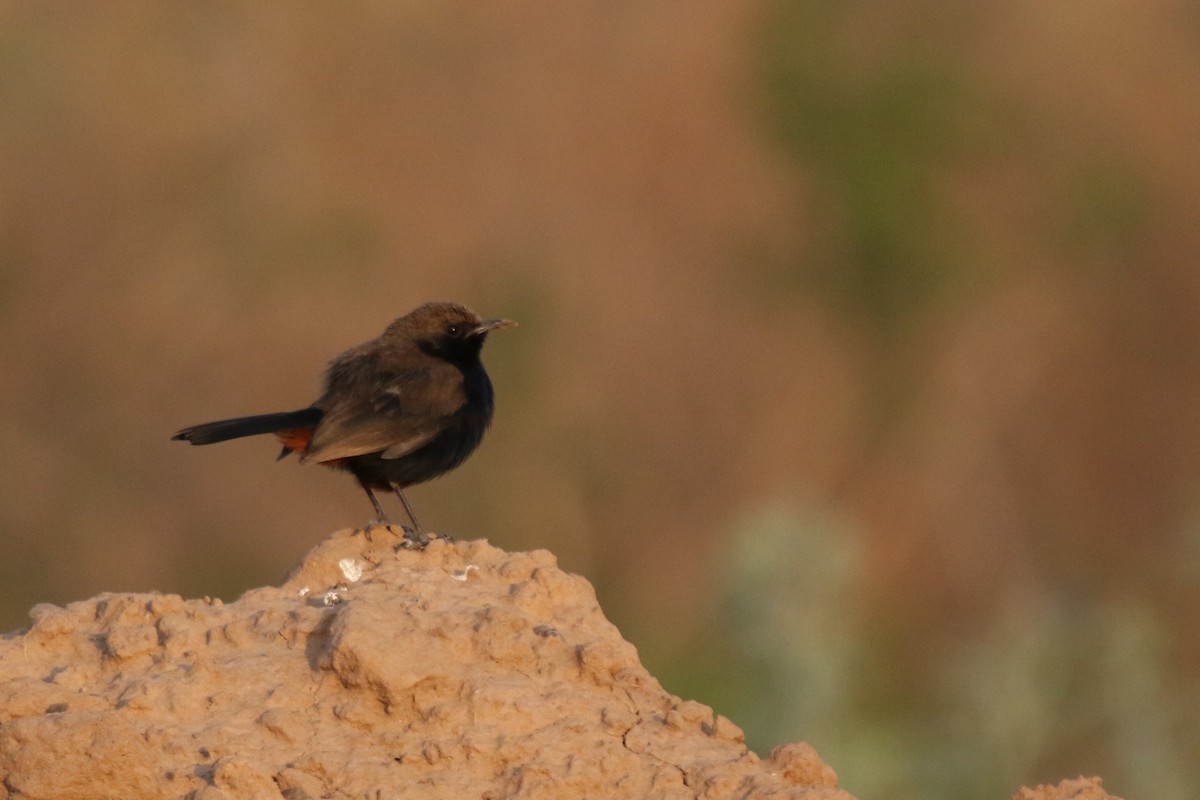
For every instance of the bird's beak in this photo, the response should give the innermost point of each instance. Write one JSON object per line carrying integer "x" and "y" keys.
{"x": 492, "y": 325}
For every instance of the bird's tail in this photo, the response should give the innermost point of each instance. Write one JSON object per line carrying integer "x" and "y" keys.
{"x": 221, "y": 430}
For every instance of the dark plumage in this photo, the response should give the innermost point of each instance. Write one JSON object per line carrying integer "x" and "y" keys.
{"x": 398, "y": 410}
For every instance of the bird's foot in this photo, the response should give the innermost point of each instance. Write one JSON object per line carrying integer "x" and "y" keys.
{"x": 414, "y": 539}
{"x": 420, "y": 539}
{"x": 375, "y": 523}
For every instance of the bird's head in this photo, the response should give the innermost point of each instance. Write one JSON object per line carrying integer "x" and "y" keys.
{"x": 446, "y": 330}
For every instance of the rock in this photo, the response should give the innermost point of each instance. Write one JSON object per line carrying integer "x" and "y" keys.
{"x": 457, "y": 671}
{"x": 1078, "y": 789}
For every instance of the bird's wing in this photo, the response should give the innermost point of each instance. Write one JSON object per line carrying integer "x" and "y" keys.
{"x": 394, "y": 417}
{"x": 363, "y": 438}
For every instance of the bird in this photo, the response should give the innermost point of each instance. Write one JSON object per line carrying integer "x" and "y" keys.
{"x": 401, "y": 409}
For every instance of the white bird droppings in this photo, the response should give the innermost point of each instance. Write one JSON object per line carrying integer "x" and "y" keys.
{"x": 464, "y": 573}
{"x": 351, "y": 568}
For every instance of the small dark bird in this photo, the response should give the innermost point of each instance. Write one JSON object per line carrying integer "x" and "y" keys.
{"x": 398, "y": 410}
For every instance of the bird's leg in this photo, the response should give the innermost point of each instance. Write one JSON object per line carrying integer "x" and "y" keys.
{"x": 419, "y": 536}
{"x": 380, "y": 517}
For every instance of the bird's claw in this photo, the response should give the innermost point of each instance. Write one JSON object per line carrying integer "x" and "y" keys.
{"x": 420, "y": 539}
{"x": 374, "y": 523}
{"x": 414, "y": 540}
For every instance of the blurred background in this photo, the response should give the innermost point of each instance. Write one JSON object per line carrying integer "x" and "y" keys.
{"x": 859, "y": 358}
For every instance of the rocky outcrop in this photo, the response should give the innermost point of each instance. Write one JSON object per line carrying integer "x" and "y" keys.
{"x": 373, "y": 671}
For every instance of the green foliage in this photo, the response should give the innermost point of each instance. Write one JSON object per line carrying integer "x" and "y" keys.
{"x": 792, "y": 581}
{"x": 876, "y": 143}
{"x": 1052, "y": 686}
{"x": 1107, "y": 207}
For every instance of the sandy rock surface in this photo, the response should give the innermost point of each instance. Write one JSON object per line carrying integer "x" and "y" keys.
{"x": 1076, "y": 789}
{"x": 460, "y": 671}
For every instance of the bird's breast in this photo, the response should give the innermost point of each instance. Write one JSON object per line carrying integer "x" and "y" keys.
{"x": 478, "y": 391}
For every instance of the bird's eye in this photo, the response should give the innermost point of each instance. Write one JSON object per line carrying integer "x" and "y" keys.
{"x": 454, "y": 330}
